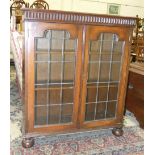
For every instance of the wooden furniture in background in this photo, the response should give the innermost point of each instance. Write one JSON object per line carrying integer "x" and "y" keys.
{"x": 15, "y": 9}
{"x": 16, "y": 18}
{"x": 135, "y": 92}
{"x": 17, "y": 5}
{"x": 40, "y": 4}
{"x": 75, "y": 71}
{"x": 137, "y": 48}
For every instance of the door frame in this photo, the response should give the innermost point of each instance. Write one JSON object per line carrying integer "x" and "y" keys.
{"x": 92, "y": 32}
{"x": 36, "y": 29}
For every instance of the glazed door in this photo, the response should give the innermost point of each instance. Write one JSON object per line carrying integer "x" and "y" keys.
{"x": 54, "y": 76}
{"x": 105, "y": 76}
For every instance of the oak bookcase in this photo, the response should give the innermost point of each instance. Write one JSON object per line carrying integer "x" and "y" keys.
{"x": 75, "y": 71}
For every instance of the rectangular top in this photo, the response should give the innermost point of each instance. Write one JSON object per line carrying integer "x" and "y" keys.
{"x": 76, "y": 17}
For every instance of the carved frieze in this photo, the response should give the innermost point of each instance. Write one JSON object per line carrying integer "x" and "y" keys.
{"x": 75, "y": 17}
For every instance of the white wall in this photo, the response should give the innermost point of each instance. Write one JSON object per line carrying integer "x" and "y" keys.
{"x": 127, "y": 7}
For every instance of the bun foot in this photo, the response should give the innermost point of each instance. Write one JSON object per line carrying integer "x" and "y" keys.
{"x": 117, "y": 132}
{"x": 28, "y": 142}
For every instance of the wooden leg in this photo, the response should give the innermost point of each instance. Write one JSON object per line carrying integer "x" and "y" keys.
{"x": 28, "y": 142}
{"x": 117, "y": 131}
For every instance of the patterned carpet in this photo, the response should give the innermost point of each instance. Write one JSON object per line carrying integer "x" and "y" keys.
{"x": 98, "y": 142}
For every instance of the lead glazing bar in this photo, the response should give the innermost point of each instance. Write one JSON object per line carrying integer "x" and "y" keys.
{"x": 111, "y": 56}
{"x": 98, "y": 76}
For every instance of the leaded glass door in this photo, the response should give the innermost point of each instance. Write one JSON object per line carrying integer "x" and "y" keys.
{"x": 56, "y": 54}
{"x": 101, "y": 102}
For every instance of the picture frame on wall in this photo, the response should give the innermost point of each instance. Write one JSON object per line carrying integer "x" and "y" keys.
{"x": 113, "y": 9}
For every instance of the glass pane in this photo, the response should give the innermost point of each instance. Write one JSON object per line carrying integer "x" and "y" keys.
{"x": 69, "y": 71}
{"x": 41, "y": 72}
{"x": 113, "y": 91}
{"x": 100, "y": 111}
{"x": 42, "y": 56}
{"x": 56, "y": 45}
{"x": 105, "y": 56}
{"x": 104, "y": 68}
{"x": 41, "y": 44}
{"x": 54, "y": 114}
{"x": 106, "y": 47}
{"x": 59, "y": 34}
{"x": 115, "y": 71}
{"x": 108, "y": 36}
{"x": 111, "y": 109}
{"x": 70, "y": 45}
{"x": 90, "y": 111}
{"x": 69, "y": 57}
{"x": 67, "y": 111}
{"x": 93, "y": 72}
{"x": 55, "y": 55}
{"x": 94, "y": 46}
{"x": 55, "y": 96}
{"x": 104, "y": 72}
{"x": 118, "y": 46}
{"x": 55, "y": 76}
{"x": 116, "y": 57}
{"x": 40, "y": 115}
{"x": 91, "y": 93}
{"x": 94, "y": 57}
{"x": 41, "y": 97}
{"x": 67, "y": 96}
{"x": 102, "y": 93}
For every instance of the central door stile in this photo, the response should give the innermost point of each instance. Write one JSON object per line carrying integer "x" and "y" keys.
{"x": 84, "y": 74}
{"x": 78, "y": 75}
